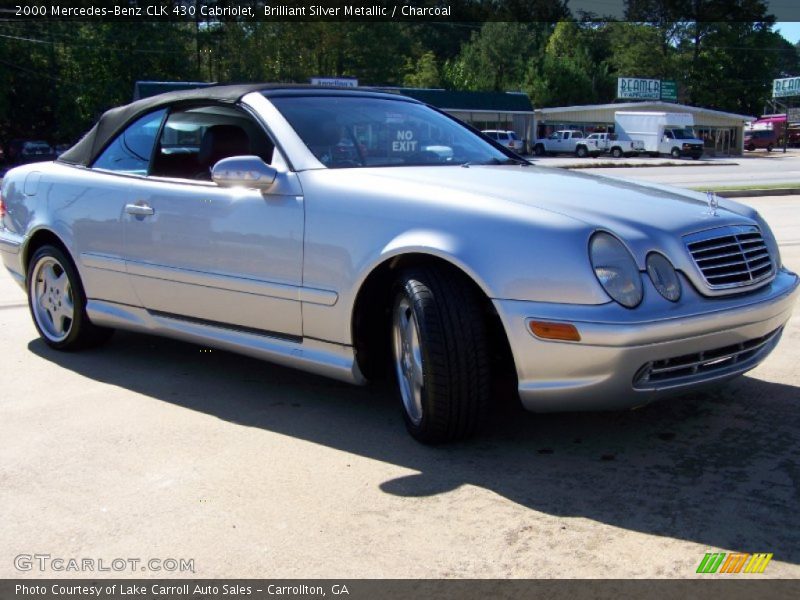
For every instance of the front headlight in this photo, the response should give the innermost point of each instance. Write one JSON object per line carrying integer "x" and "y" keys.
{"x": 615, "y": 269}
{"x": 664, "y": 277}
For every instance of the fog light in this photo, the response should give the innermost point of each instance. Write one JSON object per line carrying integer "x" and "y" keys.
{"x": 547, "y": 330}
{"x": 664, "y": 277}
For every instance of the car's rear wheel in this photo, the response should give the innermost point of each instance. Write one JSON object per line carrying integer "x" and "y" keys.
{"x": 675, "y": 153}
{"x": 616, "y": 152}
{"x": 58, "y": 303}
{"x": 538, "y": 150}
{"x": 769, "y": 147}
{"x": 439, "y": 354}
{"x": 581, "y": 151}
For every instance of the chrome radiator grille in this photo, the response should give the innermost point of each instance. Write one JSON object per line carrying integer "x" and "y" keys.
{"x": 731, "y": 257}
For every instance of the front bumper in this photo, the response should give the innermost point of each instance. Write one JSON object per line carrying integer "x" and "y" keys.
{"x": 628, "y": 358}
{"x": 693, "y": 151}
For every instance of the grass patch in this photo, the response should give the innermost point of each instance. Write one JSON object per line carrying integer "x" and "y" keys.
{"x": 644, "y": 165}
{"x": 752, "y": 186}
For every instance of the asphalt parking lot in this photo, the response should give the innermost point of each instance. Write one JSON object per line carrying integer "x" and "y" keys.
{"x": 151, "y": 448}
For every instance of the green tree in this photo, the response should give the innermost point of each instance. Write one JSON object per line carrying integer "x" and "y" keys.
{"x": 496, "y": 58}
{"x": 572, "y": 69}
{"x": 422, "y": 72}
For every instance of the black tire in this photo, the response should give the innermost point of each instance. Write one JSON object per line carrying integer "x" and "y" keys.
{"x": 675, "y": 153}
{"x": 581, "y": 152}
{"x": 696, "y": 156}
{"x": 538, "y": 150}
{"x": 76, "y": 332}
{"x": 444, "y": 311}
{"x": 769, "y": 147}
{"x": 750, "y": 148}
{"x": 616, "y": 152}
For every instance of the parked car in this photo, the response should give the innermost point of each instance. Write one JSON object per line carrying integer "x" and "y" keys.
{"x": 760, "y": 138}
{"x": 569, "y": 141}
{"x": 610, "y": 143}
{"x": 448, "y": 270}
{"x": 26, "y": 151}
{"x": 506, "y": 138}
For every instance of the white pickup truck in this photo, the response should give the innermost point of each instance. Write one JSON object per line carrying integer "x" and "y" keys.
{"x": 616, "y": 147}
{"x": 569, "y": 141}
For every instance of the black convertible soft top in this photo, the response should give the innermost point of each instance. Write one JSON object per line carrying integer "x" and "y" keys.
{"x": 115, "y": 120}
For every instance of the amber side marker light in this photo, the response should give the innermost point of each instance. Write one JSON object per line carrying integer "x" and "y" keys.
{"x": 555, "y": 331}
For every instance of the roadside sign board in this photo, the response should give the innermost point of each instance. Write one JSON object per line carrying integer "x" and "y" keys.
{"x": 335, "y": 81}
{"x": 788, "y": 86}
{"x": 669, "y": 91}
{"x": 635, "y": 88}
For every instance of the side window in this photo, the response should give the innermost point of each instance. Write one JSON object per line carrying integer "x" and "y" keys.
{"x": 668, "y": 134}
{"x": 131, "y": 150}
{"x": 502, "y": 136}
{"x": 194, "y": 140}
{"x": 577, "y": 134}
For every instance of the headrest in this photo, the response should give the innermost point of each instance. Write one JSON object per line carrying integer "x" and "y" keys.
{"x": 222, "y": 141}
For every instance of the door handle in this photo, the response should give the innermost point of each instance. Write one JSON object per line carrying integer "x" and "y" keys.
{"x": 140, "y": 210}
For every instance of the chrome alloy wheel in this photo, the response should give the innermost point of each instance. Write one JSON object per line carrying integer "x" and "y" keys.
{"x": 408, "y": 358}
{"x": 51, "y": 299}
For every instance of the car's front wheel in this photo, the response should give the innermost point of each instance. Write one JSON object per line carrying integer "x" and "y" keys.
{"x": 58, "y": 303}
{"x": 439, "y": 354}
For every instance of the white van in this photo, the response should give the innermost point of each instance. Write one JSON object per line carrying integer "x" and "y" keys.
{"x": 660, "y": 132}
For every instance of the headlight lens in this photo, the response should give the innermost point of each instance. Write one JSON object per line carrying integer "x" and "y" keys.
{"x": 615, "y": 269}
{"x": 664, "y": 277}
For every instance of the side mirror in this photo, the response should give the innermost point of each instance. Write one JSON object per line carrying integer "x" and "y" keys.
{"x": 243, "y": 171}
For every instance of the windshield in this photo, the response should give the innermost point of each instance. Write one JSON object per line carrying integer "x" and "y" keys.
{"x": 684, "y": 134}
{"x": 346, "y": 132}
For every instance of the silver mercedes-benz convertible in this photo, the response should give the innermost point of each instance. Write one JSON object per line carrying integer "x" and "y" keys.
{"x": 354, "y": 233}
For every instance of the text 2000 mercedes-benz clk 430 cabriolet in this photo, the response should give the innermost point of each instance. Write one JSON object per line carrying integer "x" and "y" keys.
{"x": 351, "y": 232}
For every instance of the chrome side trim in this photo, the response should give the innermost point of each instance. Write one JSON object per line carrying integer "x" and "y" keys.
{"x": 103, "y": 262}
{"x": 322, "y": 358}
{"x": 315, "y": 296}
{"x": 244, "y": 285}
{"x": 9, "y": 244}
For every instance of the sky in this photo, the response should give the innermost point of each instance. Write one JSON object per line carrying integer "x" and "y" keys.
{"x": 789, "y": 29}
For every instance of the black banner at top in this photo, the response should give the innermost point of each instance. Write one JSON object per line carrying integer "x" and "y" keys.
{"x": 400, "y": 10}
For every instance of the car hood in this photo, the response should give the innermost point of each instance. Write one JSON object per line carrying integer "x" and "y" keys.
{"x": 627, "y": 208}
{"x": 646, "y": 217}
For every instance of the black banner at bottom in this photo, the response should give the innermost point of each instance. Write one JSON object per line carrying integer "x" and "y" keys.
{"x": 369, "y": 589}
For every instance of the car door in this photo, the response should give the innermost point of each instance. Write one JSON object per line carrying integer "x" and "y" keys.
{"x": 225, "y": 257}
{"x": 557, "y": 141}
{"x": 95, "y": 206}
